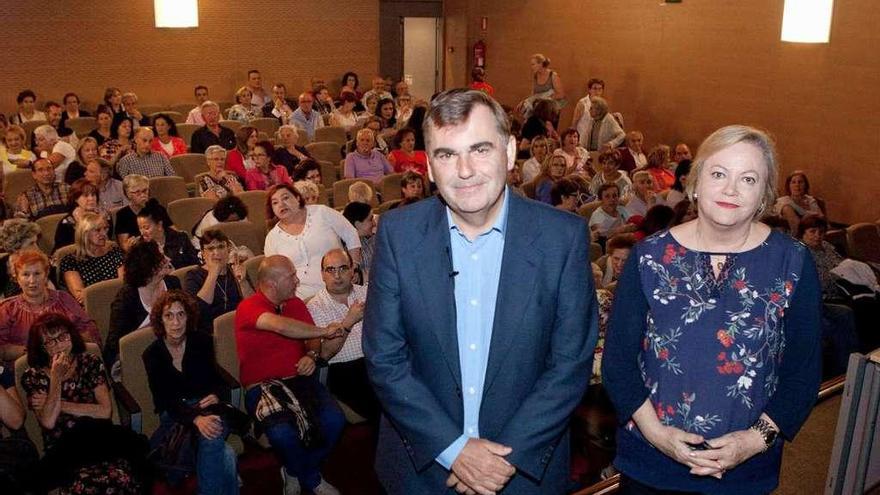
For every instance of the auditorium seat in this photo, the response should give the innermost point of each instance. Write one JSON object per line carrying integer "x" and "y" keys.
{"x": 340, "y": 191}
{"x": 97, "y": 299}
{"x": 17, "y": 182}
{"x": 231, "y": 124}
{"x": 266, "y": 124}
{"x": 185, "y": 131}
{"x": 251, "y": 266}
{"x": 188, "y": 165}
{"x": 81, "y": 126}
{"x": 29, "y": 130}
{"x": 587, "y": 210}
{"x": 333, "y": 134}
{"x": 863, "y": 242}
{"x": 48, "y": 225}
{"x": 328, "y": 151}
{"x": 167, "y": 189}
{"x": 255, "y": 201}
{"x": 390, "y": 187}
{"x": 152, "y": 109}
{"x": 185, "y": 212}
{"x": 180, "y": 273}
{"x": 244, "y": 233}
{"x": 177, "y": 117}
{"x": 182, "y": 108}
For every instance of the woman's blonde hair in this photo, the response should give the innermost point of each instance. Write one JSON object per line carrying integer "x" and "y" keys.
{"x": 360, "y": 192}
{"x": 726, "y": 137}
{"x": 240, "y": 92}
{"x": 86, "y": 224}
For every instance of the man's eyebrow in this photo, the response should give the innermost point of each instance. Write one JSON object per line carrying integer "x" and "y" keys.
{"x": 475, "y": 146}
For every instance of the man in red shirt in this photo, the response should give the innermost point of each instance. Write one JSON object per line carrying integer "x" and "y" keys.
{"x": 270, "y": 330}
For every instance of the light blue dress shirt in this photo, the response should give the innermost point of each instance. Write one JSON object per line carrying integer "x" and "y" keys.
{"x": 308, "y": 124}
{"x": 478, "y": 264}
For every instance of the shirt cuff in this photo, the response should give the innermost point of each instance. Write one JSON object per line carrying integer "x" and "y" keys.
{"x": 448, "y": 456}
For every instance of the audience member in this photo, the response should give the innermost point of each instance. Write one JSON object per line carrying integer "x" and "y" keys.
{"x": 195, "y": 115}
{"x": 309, "y": 191}
{"x": 379, "y": 91}
{"x": 87, "y": 152}
{"x": 303, "y": 233}
{"x": 186, "y": 389}
{"x": 96, "y": 258}
{"x": 18, "y": 313}
{"x": 46, "y": 197}
{"x": 681, "y": 152}
{"x": 212, "y": 132}
{"x": 27, "y": 108}
{"x": 604, "y": 131}
{"x": 238, "y": 159}
{"x": 67, "y": 389}
{"x": 306, "y": 119}
{"x": 341, "y": 300}
{"x": 412, "y": 186}
{"x": 404, "y": 106}
{"x": 280, "y": 107}
{"x": 540, "y": 123}
{"x": 167, "y": 141}
{"x": 53, "y": 118}
{"x": 16, "y": 234}
{"x": 577, "y": 159}
{"x": 71, "y": 109}
{"x": 323, "y": 101}
{"x": 113, "y": 101}
{"x": 617, "y": 249}
{"x": 120, "y": 142}
{"x": 659, "y": 217}
{"x": 546, "y": 83}
{"x": 82, "y": 199}
{"x": 553, "y": 170}
{"x": 658, "y": 167}
{"x": 350, "y": 82}
{"x": 146, "y": 276}
{"x": 144, "y": 161}
{"x": 244, "y": 111}
{"x": 360, "y": 215}
{"x": 609, "y": 219}
{"x": 218, "y": 182}
{"x": 265, "y": 174}
{"x": 404, "y": 156}
{"x": 137, "y": 192}
{"x": 14, "y": 156}
{"x": 218, "y": 284}
{"x": 255, "y": 84}
{"x": 129, "y": 102}
{"x": 344, "y": 116}
{"x": 581, "y": 117}
{"x": 631, "y": 154}
{"x": 20, "y": 462}
{"x": 305, "y": 422}
{"x": 797, "y": 201}
{"x": 564, "y": 195}
{"x": 366, "y": 162}
{"x": 478, "y": 81}
{"x": 49, "y": 146}
{"x": 676, "y": 192}
{"x": 308, "y": 170}
{"x": 288, "y": 153}
{"x": 685, "y": 211}
{"x": 155, "y": 226}
{"x": 643, "y": 194}
{"x": 386, "y": 112}
{"x": 228, "y": 209}
{"x": 609, "y": 162}
{"x": 103, "y": 124}
{"x": 539, "y": 148}
{"x": 361, "y": 192}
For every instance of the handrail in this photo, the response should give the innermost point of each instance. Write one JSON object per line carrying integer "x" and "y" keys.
{"x": 827, "y": 390}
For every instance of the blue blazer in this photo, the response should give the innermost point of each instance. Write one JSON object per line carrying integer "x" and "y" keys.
{"x": 540, "y": 357}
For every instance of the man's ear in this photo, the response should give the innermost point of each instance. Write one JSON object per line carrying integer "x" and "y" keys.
{"x": 511, "y": 152}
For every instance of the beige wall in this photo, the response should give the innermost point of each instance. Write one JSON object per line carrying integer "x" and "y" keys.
{"x": 91, "y": 44}
{"x": 678, "y": 72}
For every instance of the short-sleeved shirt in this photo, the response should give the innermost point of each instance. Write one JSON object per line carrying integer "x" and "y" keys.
{"x": 326, "y": 310}
{"x": 606, "y": 222}
{"x": 151, "y": 164}
{"x": 33, "y": 203}
{"x": 372, "y": 167}
{"x": 264, "y": 355}
{"x": 94, "y": 269}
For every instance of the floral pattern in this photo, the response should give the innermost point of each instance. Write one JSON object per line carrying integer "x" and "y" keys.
{"x": 713, "y": 343}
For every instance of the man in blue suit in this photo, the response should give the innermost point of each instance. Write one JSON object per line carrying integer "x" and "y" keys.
{"x": 480, "y": 322}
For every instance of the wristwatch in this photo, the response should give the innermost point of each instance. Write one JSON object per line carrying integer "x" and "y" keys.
{"x": 766, "y": 430}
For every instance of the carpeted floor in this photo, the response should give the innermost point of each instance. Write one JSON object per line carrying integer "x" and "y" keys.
{"x": 805, "y": 461}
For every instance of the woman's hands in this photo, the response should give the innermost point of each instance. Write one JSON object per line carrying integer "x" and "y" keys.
{"x": 729, "y": 451}
{"x": 209, "y": 427}
{"x": 679, "y": 445}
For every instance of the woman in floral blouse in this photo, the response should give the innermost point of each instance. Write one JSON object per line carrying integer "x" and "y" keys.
{"x": 713, "y": 349}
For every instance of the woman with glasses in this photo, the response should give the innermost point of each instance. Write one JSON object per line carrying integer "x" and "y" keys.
{"x": 264, "y": 174}
{"x": 609, "y": 161}
{"x": 96, "y": 258}
{"x": 219, "y": 182}
{"x": 552, "y": 171}
{"x": 218, "y": 284}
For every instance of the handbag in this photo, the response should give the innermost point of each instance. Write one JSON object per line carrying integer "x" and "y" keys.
{"x": 171, "y": 455}
{"x": 236, "y": 420}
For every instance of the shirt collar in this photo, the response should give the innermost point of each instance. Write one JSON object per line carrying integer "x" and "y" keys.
{"x": 500, "y": 224}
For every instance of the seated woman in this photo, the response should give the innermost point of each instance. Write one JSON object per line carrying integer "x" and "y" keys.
{"x": 264, "y": 174}
{"x": 120, "y": 142}
{"x": 228, "y": 209}
{"x": 86, "y": 151}
{"x": 103, "y": 123}
{"x": 539, "y": 124}
{"x": 577, "y": 159}
{"x": 658, "y": 167}
{"x": 387, "y": 113}
{"x": 617, "y": 248}
{"x": 155, "y": 225}
{"x": 67, "y": 389}
{"x": 166, "y": 140}
{"x": 539, "y": 148}
{"x": 797, "y": 201}
{"x": 366, "y": 162}
{"x": 308, "y": 190}
{"x": 404, "y": 157}
{"x": 609, "y": 161}
{"x": 676, "y": 193}
{"x": 304, "y": 233}
{"x": 412, "y": 186}
{"x": 238, "y": 159}
{"x": 137, "y": 193}
{"x": 146, "y": 276}
{"x": 96, "y": 258}
{"x": 244, "y": 111}
{"x": 308, "y": 170}
{"x": 553, "y": 171}
{"x": 16, "y": 234}
{"x": 344, "y": 116}
{"x": 18, "y": 313}
{"x": 219, "y": 182}
{"x": 217, "y": 284}
{"x": 288, "y": 153}
{"x": 609, "y": 219}
{"x": 643, "y": 196}
{"x": 185, "y": 385}
{"x": 82, "y": 199}
{"x": 111, "y": 194}
{"x": 14, "y": 156}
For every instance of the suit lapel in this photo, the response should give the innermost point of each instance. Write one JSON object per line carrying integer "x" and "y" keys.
{"x": 435, "y": 259}
{"x": 519, "y": 271}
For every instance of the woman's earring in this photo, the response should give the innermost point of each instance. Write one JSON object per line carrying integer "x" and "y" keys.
{"x": 695, "y": 195}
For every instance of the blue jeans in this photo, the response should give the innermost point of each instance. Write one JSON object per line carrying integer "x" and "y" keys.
{"x": 299, "y": 462}
{"x": 215, "y": 461}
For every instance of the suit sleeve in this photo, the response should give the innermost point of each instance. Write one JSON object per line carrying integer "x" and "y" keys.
{"x": 410, "y": 405}
{"x": 533, "y": 432}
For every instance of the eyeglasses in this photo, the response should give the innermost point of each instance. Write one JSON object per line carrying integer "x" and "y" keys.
{"x": 58, "y": 339}
{"x": 337, "y": 270}
{"x": 254, "y": 155}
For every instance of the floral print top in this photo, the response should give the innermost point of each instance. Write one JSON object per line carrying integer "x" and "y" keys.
{"x": 710, "y": 351}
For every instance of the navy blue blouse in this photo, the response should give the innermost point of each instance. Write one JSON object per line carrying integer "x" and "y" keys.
{"x": 713, "y": 353}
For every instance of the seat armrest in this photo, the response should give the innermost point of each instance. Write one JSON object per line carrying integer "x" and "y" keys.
{"x": 233, "y": 387}
{"x": 129, "y": 410}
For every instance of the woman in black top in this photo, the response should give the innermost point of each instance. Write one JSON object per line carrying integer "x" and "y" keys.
{"x": 183, "y": 378}
{"x": 146, "y": 277}
{"x": 155, "y": 225}
{"x": 103, "y": 122}
{"x": 217, "y": 285}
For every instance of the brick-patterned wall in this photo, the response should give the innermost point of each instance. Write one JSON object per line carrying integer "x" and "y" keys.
{"x": 86, "y": 45}
{"x": 680, "y": 71}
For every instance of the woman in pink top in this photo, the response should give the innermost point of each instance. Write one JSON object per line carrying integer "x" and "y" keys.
{"x": 238, "y": 160}
{"x": 264, "y": 175}
{"x": 404, "y": 157}
{"x": 166, "y": 140}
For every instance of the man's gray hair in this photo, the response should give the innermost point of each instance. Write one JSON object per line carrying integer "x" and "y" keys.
{"x": 208, "y": 103}
{"x": 454, "y": 107}
{"x": 46, "y": 132}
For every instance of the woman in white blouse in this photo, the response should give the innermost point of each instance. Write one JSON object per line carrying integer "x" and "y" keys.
{"x": 577, "y": 158}
{"x": 304, "y": 233}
